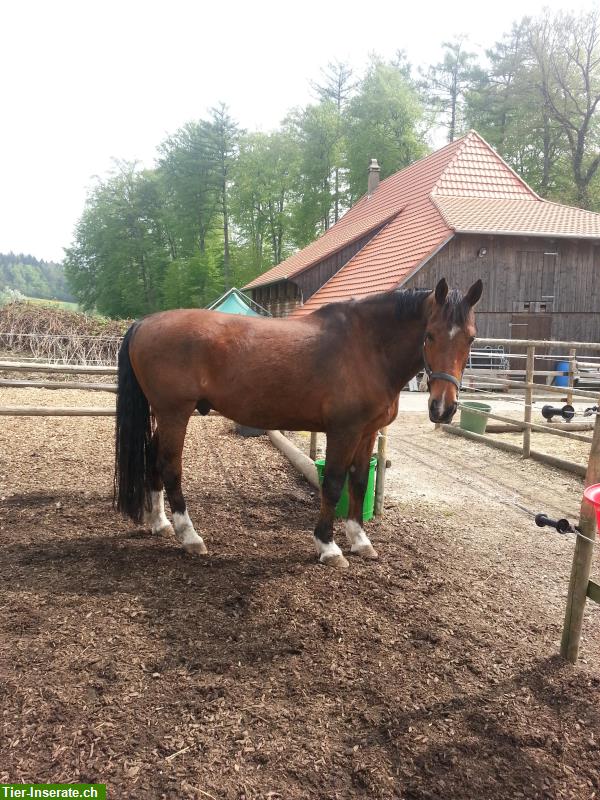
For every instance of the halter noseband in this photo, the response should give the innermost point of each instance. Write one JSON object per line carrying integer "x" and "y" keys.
{"x": 442, "y": 376}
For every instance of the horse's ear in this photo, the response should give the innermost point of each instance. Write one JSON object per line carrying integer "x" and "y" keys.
{"x": 473, "y": 295}
{"x": 441, "y": 291}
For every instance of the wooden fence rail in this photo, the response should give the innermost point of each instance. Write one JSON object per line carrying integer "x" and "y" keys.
{"x": 90, "y": 387}
{"x": 534, "y": 426}
{"x": 66, "y": 369}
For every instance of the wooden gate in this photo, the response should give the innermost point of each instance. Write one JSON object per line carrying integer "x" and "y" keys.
{"x": 531, "y": 326}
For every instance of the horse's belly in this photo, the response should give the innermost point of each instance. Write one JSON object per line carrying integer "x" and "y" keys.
{"x": 269, "y": 415}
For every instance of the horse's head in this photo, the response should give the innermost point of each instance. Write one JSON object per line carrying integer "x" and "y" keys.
{"x": 449, "y": 333}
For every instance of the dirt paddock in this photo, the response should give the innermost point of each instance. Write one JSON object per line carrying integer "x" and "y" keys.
{"x": 255, "y": 674}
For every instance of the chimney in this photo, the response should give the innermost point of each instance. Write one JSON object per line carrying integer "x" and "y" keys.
{"x": 373, "y": 181}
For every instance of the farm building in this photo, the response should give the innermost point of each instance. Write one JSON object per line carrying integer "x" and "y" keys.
{"x": 461, "y": 213}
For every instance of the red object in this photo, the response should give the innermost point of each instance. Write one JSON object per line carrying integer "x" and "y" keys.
{"x": 592, "y": 495}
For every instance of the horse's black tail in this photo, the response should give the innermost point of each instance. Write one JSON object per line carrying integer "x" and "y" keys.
{"x": 133, "y": 434}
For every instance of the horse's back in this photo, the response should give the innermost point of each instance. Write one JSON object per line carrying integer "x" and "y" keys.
{"x": 235, "y": 364}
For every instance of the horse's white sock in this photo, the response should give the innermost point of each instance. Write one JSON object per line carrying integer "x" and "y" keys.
{"x": 184, "y": 529}
{"x": 156, "y": 518}
{"x": 356, "y": 536}
{"x": 327, "y": 550}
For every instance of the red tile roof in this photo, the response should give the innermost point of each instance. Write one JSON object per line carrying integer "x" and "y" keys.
{"x": 405, "y": 242}
{"x": 370, "y": 212}
{"x": 463, "y": 187}
{"x": 520, "y": 217}
{"x": 357, "y": 222}
{"x": 478, "y": 171}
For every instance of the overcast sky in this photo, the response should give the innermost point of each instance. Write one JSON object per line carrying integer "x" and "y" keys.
{"x": 83, "y": 82}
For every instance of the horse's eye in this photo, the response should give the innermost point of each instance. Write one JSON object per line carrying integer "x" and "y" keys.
{"x": 429, "y": 337}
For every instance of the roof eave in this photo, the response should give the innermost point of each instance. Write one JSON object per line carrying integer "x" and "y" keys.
{"x": 538, "y": 234}
{"x": 427, "y": 259}
{"x": 273, "y": 282}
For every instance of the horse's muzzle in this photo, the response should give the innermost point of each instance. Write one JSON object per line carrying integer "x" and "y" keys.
{"x": 437, "y": 413}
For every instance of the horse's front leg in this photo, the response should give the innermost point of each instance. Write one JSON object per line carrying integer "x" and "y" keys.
{"x": 357, "y": 485}
{"x": 170, "y": 448}
{"x": 340, "y": 450}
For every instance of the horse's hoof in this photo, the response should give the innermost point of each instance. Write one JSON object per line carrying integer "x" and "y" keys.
{"x": 196, "y": 549}
{"x": 338, "y": 562}
{"x": 167, "y": 531}
{"x": 366, "y": 551}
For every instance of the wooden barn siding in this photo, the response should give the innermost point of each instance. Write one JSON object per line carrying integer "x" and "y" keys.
{"x": 515, "y": 270}
{"x": 278, "y": 298}
{"x": 309, "y": 281}
{"x": 312, "y": 279}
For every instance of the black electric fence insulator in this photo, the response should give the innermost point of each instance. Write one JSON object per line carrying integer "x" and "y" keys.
{"x": 561, "y": 525}
{"x": 567, "y": 412}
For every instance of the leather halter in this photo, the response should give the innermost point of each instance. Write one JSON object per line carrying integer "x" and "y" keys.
{"x": 442, "y": 376}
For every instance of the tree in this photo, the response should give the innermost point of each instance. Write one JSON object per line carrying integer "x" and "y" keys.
{"x": 191, "y": 182}
{"x": 382, "y": 122}
{"x": 224, "y": 134}
{"x": 118, "y": 259}
{"x": 8, "y": 295}
{"x": 506, "y": 106}
{"x": 32, "y": 277}
{"x": 566, "y": 50}
{"x": 266, "y": 170}
{"x": 316, "y": 131}
{"x": 446, "y": 83}
{"x": 337, "y": 86}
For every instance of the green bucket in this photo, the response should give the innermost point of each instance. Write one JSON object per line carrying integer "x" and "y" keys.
{"x": 341, "y": 510}
{"x": 473, "y": 422}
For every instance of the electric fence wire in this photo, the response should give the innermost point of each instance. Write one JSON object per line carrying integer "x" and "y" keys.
{"x": 521, "y": 402}
{"x": 547, "y": 356}
{"x": 529, "y": 512}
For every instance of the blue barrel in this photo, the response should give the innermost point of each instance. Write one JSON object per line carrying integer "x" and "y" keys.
{"x": 561, "y": 380}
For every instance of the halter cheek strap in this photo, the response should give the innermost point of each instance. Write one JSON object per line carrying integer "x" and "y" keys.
{"x": 442, "y": 376}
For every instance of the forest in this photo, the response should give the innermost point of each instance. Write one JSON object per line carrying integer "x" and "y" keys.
{"x": 24, "y": 275}
{"x": 222, "y": 204}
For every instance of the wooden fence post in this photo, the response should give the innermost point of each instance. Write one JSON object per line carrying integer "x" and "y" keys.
{"x": 582, "y": 559}
{"x": 528, "y": 400}
{"x": 572, "y": 367}
{"x": 313, "y": 446}
{"x": 381, "y": 468}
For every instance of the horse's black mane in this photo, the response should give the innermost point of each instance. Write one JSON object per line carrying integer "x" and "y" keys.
{"x": 456, "y": 309}
{"x": 409, "y": 304}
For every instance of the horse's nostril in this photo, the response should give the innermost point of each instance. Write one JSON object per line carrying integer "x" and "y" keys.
{"x": 434, "y": 410}
{"x": 449, "y": 412}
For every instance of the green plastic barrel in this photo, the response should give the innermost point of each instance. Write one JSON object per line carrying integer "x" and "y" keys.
{"x": 473, "y": 422}
{"x": 341, "y": 510}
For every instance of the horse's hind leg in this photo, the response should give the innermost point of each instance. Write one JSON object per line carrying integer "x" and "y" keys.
{"x": 340, "y": 449}
{"x": 156, "y": 519}
{"x": 357, "y": 484}
{"x": 170, "y": 447}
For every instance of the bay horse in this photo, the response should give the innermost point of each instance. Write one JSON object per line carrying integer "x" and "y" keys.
{"x": 338, "y": 370}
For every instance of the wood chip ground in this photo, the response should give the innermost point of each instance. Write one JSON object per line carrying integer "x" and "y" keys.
{"x": 255, "y": 674}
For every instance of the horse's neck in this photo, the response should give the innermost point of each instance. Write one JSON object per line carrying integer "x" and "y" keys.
{"x": 401, "y": 348}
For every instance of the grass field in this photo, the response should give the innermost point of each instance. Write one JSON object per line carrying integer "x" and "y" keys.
{"x": 53, "y": 303}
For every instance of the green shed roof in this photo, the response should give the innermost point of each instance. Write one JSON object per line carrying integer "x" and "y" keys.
{"x": 236, "y": 302}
